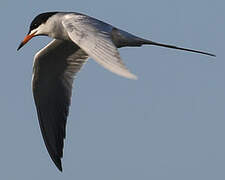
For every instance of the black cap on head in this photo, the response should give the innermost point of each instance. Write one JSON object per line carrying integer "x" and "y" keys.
{"x": 40, "y": 19}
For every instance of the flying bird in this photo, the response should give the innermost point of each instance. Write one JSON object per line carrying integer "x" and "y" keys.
{"x": 76, "y": 37}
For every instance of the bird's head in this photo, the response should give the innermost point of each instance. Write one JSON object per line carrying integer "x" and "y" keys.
{"x": 38, "y": 26}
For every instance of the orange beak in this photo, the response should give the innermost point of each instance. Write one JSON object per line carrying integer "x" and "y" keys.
{"x": 26, "y": 39}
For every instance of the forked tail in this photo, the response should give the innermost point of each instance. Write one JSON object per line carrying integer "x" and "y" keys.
{"x": 122, "y": 39}
{"x": 175, "y": 47}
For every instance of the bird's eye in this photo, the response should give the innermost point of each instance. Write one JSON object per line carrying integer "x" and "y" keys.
{"x": 35, "y": 25}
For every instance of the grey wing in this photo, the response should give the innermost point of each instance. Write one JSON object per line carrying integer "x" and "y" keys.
{"x": 53, "y": 73}
{"x": 95, "y": 38}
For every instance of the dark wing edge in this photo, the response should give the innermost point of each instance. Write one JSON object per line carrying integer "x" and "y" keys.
{"x": 53, "y": 72}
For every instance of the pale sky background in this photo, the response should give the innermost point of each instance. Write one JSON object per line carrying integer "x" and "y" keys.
{"x": 169, "y": 124}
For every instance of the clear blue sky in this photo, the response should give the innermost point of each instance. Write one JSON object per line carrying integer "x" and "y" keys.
{"x": 169, "y": 124}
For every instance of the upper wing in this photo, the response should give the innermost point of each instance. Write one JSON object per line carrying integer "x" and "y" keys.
{"x": 53, "y": 73}
{"x": 94, "y": 37}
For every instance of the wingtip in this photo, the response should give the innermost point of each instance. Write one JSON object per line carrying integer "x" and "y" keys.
{"x": 134, "y": 77}
{"x": 59, "y": 165}
{"x": 127, "y": 74}
{"x": 57, "y": 162}
{"x": 60, "y": 169}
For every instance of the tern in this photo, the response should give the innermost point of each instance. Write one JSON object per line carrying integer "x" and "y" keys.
{"x": 76, "y": 37}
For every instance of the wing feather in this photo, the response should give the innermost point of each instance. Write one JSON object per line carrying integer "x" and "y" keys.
{"x": 53, "y": 72}
{"x": 94, "y": 37}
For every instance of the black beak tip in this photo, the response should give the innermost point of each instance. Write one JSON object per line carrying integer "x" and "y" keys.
{"x": 21, "y": 45}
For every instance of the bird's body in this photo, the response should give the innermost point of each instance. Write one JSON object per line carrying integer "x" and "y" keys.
{"x": 76, "y": 38}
